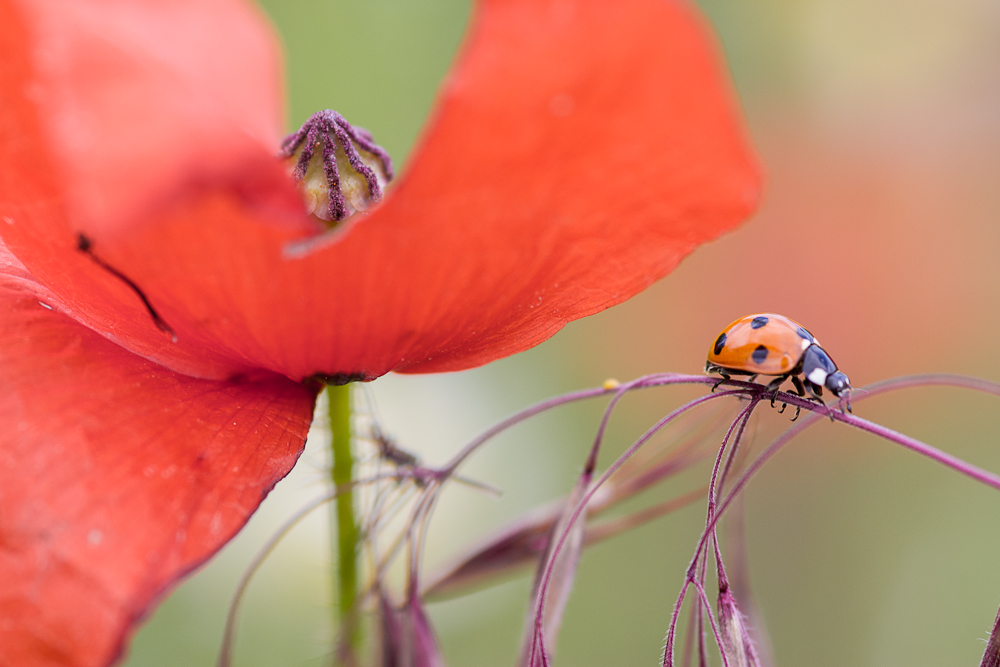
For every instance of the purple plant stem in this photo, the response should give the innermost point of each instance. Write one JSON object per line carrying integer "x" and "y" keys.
{"x": 232, "y": 617}
{"x": 655, "y": 380}
{"x": 711, "y": 620}
{"x": 620, "y": 392}
{"x": 537, "y": 639}
{"x": 517, "y": 418}
{"x": 689, "y": 640}
{"x": 906, "y": 441}
{"x": 582, "y": 504}
{"x": 682, "y": 457}
{"x": 720, "y": 570}
{"x": 932, "y": 379}
{"x": 933, "y": 453}
{"x": 738, "y": 425}
{"x": 418, "y": 532}
{"x": 668, "y": 647}
{"x": 753, "y": 390}
{"x": 697, "y": 570}
{"x": 229, "y": 633}
{"x": 731, "y": 459}
{"x": 416, "y": 636}
{"x": 756, "y": 641}
{"x": 703, "y": 610}
{"x": 991, "y": 656}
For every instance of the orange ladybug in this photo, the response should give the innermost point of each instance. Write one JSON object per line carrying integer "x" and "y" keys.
{"x": 770, "y": 344}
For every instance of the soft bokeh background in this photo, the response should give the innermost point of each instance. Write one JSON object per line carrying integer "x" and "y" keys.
{"x": 879, "y": 123}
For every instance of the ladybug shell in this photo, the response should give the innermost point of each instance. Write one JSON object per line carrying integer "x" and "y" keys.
{"x": 765, "y": 344}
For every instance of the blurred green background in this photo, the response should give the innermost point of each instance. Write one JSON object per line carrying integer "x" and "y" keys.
{"x": 879, "y": 124}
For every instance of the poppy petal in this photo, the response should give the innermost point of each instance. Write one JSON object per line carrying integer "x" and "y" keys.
{"x": 107, "y": 109}
{"x": 197, "y": 92}
{"x": 117, "y": 477}
{"x": 579, "y": 151}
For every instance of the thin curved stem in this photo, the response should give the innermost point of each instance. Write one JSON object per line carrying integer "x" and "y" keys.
{"x": 655, "y": 380}
{"x": 817, "y": 413}
{"x": 229, "y": 634}
{"x": 582, "y": 504}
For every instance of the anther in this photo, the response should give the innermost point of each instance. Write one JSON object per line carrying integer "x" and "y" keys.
{"x": 348, "y": 172}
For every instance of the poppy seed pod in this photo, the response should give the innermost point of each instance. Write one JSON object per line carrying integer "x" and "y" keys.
{"x": 340, "y": 169}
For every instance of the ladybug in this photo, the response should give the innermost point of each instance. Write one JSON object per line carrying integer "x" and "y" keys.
{"x": 770, "y": 344}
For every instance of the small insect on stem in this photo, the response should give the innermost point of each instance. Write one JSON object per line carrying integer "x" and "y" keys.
{"x": 390, "y": 451}
{"x": 774, "y": 345}
{"x": 409, "y": 464}
{"x": 86, "y": 246}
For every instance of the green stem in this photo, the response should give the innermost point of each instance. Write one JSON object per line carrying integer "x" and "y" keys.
{"x": 343, "y": 510}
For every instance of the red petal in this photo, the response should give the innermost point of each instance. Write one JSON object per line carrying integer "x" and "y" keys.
{"x": 112, "y": 108}
{"x": 197, "y": 92}
{"x": 579, "y": 152}
{"x": 116, "y": 478}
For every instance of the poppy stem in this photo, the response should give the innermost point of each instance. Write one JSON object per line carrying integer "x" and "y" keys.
{"x": 346, "y": 546}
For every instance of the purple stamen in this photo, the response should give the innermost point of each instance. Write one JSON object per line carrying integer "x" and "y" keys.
{"x": 331, "y": 130}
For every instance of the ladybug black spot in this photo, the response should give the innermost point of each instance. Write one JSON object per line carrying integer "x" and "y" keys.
{"x": 758, "y": 322}
{"x": 805, "y": 334}
{"x": 759, "y": 354}
{"x": 720, "y": 343}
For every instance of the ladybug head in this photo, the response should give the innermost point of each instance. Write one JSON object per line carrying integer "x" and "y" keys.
{"x": 820, "y": 371}
{"x": 838, "y": 384}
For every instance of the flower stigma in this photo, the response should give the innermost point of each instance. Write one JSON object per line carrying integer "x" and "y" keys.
{"x": 340, "y": 169}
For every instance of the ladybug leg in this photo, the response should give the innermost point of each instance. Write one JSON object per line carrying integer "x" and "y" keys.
{"x": 815, "y": 390}
{"x": 725, "y": 378}
{"x": 773, "y": 385}
{"x": 844, "y": 401}
{"x": 752, "y": 378}
{"x": 800, "y": 390}
{"x": 817, "y": 395}
{"x": 798, "y": 409}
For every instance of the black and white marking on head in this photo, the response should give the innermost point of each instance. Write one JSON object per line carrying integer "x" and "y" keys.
{"x": 817, "y": 365}
{"x": 759, "y": 354}
{"x": 758, "y": 322}
{"x": 720, "y": 343}
{"x": 839, "y": 384}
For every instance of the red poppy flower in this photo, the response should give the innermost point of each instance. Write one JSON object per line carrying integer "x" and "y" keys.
{"x": 577, "y": 153}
